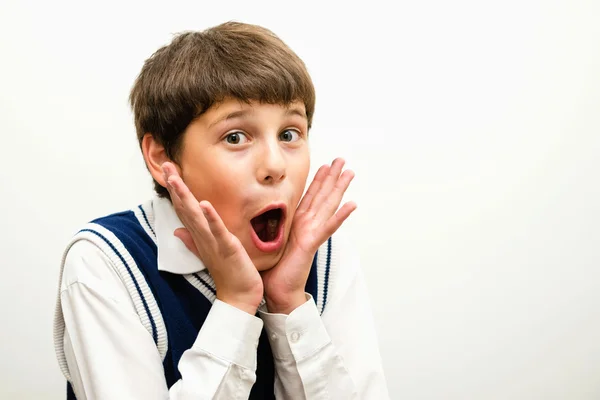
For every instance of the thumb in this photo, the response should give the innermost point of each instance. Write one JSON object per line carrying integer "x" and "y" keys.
{"x": 186, "y": 237}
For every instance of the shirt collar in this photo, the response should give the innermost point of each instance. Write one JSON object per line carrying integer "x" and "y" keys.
{"x": 173, "y": 256}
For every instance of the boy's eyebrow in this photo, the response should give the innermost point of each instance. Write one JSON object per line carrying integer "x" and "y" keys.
{"x": 242, "y": 113}
{"x": 231, "y": 115}
{"x": 296, "y": 111}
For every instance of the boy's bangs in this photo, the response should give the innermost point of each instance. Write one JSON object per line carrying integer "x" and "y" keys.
{"x": 266, "y": 82}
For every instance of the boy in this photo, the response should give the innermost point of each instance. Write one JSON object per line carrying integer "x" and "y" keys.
{"x": 169, "y": 300}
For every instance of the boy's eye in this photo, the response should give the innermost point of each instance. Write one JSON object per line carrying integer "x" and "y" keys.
{"x": 289, "y": 135}
{"x": 236, "y": 138}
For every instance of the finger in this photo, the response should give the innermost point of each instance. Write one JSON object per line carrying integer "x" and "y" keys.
{"x": 334, "y": 223}
{"x": 196, "y": 234}
{"x": 184, "y": 217}
{"x": 175, "y": 200}
{"x": 186, "y": 237}
{"x": 313, "y": 188}
{"x": 184, "y": 211}
{"x": 217, "y": 227}
{"x": 185, "y": 196}
{"x": 332, "y": 202}
{"x": 215, "y": 223}
{"x": 168, "y": 169}
{"x": 175, "y": 183}
{"x": 328, "y": 183}
{"x": 185, "y": 204}
{"x": 166, "y": 173}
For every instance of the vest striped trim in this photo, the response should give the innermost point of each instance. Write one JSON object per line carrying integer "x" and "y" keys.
{"x": 145, "y": 216}
{"x": 204, "y": 283}
{"x": 327, "y": 271}
{"x": 327, "y": 263}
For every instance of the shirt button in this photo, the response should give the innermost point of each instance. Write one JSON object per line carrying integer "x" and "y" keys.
{"x": 294, "y": 337}
{"x": 273, "y": 336}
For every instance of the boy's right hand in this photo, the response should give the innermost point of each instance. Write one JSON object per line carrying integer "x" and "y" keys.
{"x": 237, "y": 281}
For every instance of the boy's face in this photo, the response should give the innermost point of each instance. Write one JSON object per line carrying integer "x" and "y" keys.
{"x": 245, "y": 159}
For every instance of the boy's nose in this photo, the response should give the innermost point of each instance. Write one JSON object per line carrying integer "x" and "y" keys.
{"x": 271, "y": 166}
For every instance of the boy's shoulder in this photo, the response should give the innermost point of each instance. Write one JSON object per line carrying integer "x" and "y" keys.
{"x": 138, "y": 220}
{"x": 117, "y": 231}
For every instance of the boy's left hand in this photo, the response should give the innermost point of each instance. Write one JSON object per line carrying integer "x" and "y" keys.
{"x": 314, "y": 222}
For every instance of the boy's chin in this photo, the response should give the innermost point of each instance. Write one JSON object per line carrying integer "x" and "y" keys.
{"x": 266, "y": 261}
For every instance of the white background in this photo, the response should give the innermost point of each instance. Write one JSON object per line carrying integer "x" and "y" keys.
{"x": 474, "y": 130}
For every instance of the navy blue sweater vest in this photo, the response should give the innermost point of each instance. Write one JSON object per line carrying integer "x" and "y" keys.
{"x": 183, "y": 307}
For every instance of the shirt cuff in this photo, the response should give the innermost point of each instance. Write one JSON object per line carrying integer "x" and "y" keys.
{"x": 299, "y": 334}
{"x": 230, "y": 334}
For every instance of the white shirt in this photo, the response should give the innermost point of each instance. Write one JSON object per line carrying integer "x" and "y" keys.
{"x": 111, "y": 355}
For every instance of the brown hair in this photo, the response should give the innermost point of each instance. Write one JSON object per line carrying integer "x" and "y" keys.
{"x": 183, "y": 79}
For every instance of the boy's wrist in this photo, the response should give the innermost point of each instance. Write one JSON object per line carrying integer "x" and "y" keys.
{"x": 285, "y": 304}
{"x": 246, "y": 306}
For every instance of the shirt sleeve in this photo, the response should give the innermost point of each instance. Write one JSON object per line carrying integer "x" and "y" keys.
{"x": 111, "y": 355}
{"x": 329, "y": 356}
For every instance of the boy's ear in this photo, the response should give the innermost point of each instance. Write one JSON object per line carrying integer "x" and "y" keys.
{"x": 154, "y": 156}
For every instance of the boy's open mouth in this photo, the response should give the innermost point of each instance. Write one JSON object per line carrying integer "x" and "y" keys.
{"x": 267, "y": 224}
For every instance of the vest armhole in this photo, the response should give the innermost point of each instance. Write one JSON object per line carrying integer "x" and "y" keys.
{"x": 134, "y": 281}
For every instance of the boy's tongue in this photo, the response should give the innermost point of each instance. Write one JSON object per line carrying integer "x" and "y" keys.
{"x": 259, "y": 226}
{"x": 265, "y": 226}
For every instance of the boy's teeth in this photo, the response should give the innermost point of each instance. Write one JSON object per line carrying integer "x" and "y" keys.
{"x": 272, "y": 226}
